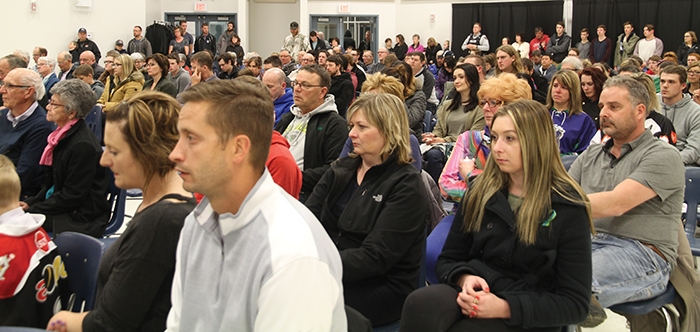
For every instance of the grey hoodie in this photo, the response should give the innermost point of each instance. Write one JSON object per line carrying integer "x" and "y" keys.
{"x": 296, "y": 130}
{"x": 685, "y": 115}
{"x": 181, "y": 80}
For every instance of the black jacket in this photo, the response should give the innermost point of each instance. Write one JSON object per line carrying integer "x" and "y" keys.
{"x": 325, "y": 137}
{"x": 400, "y": 51}
{"x": 88, "y": 45}
{"x": 380, "y": 233}
{"x": 238, "y": 49}
{"x": 684, "y": 50}
{"x": 547, "y": 284}
{"x": 79, "y": 184}
{"x": 164, "y": 85}
{"x": 207, "y": 42}
{"x": 343, "y": 91}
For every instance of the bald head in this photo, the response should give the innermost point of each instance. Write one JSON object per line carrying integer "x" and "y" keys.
{"x": 274, "y": 81}
{"x": 87, "y": 58}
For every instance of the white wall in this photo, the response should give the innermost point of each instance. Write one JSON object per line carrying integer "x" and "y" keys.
{"x": 269, "y": 24}
{"x": 56, "y": 23}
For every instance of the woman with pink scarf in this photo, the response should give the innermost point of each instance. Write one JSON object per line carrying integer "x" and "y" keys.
{"x": 73, "y": 194}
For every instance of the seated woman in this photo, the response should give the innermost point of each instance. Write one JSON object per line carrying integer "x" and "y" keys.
{"x": 157, "y": 68}
{"x": 519, "y": 256}
{"x": 73, "y": 194}
{"x": 137, "y": 270}
{"x": 592, "y": 81}
{"x": 462, "y": 113}
{"x": 413, "y": 98}
{"x": 471, "y": 149}
{"x": 574, "y": 129}
{"x": 127, "y": 82}
{"x": 369, "y": 205}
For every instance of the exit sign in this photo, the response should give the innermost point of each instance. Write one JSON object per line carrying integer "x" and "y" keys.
{"x": 344, "y": 8}
{"x": 200, "y": 7}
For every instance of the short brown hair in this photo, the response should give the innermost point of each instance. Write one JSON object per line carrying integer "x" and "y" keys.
{"x": 83, "y": 70}
{"x": 237, "y": 107}
{"x": 10, "y": 186}
{"x": 314, "y": 68}
{"x": 203, "y": 59}
{"x": 678, "y": 70}
{"x": 148, "y": 122}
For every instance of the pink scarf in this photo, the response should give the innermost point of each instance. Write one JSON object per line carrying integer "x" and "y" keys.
{"x": 53, "y": 139}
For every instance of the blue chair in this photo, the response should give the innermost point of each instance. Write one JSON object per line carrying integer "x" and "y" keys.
{"x": 94, "y": 121}
{"x": 81, "y": 254}
{"x": 663, "y": 303}
{"x": 435, "y": 242}
{"x": 692, "y": 199}
{"x": 428, "y": 122}
{"x": 568, "y": 160}
{"x": 117, "y": 201}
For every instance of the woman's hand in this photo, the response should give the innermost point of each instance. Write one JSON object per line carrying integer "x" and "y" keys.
{"x": 482, "y": 304}
{"x": 466, "y": 166}
{"x": 66, "y": 321}
{"x": 24, "y": 206}
{"x": 430, "y": 139}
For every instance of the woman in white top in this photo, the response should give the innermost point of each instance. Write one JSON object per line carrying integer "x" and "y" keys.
{"x": 522, "y": 46}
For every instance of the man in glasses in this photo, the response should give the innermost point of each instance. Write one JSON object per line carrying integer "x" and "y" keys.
{"x": 23, "y": 125}
{"x": 313, "y": 149}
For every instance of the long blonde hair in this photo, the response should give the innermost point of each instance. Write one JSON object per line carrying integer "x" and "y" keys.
{"x": 543, "y": 173}
{"x": 510, "y": 50}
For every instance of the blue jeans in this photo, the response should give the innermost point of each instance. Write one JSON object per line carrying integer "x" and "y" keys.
{"x": 625, "y": 270}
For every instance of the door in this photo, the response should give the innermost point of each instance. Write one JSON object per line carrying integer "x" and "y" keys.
{"x": 335, "y": 26}
{"x": 218, "y": 23}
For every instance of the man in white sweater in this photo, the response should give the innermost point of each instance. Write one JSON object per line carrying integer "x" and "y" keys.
{"x": 250, "y": 257}
{"x": 650, "y": 45}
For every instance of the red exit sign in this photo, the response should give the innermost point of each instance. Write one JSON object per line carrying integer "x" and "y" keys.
{"x": 200, "y": 7}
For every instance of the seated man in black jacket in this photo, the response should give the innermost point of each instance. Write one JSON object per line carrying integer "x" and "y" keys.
{"x": 341, "y": 83}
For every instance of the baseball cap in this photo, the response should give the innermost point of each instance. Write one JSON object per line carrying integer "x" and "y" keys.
{"x": 82, "y": 30}
{"x": 294, "y": 25}
{"x": 119, "y": 42}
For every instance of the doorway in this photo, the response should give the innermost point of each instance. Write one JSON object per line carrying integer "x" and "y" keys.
{"x": 217, "y": 22}
{"x": 336, "y": 25}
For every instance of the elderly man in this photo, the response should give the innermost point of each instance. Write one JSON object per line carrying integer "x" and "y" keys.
{"x": 296, "y": 41}
{"x": 377, "y": 67}
{"x": 85, "y": 44}
{"x": 306, "y": 59}
{"x": 367, "y": 61}
{"x": 8, "y": 63}
{"x": 282, "y": 96}
{"x": 23, "y": 125}
{"x": 314, "y": 150}
{"x": 64, "y": 60}
{"x": 635, "y": 186}
{"x": 46, "y": 68}
{"x": 88, "y": 58}
{"x": 288, "y": 64}
{"x": 37, "y": 53}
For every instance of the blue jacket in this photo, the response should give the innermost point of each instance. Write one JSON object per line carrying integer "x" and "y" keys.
{"x": 24, "y": 144}
{"x": 48, "y": 84}
{"x": 283, "y": 104}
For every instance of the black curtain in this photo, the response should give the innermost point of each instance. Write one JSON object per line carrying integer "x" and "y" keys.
{"x": 500, "y": 20}
{"x": 671, "y": 18}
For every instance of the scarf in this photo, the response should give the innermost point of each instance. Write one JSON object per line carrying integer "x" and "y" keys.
{"x": 53, "y": 139}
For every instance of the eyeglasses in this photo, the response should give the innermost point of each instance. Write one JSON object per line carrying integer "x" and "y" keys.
{"x": 304, "y": 85}
{"x": 117, "y": 64}
{"x": 40, "y": 65}
{"x": 693, "y": 72}
{"x": 10, "y": 86}
{"x": 53, "y": 104}
{"x": 109, "y": 62}
{"x": 492, "y": 103}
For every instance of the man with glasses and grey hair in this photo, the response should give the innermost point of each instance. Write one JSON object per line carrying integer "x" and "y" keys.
{"x": 23, "y": 125}
{"x": 315, "y": 149}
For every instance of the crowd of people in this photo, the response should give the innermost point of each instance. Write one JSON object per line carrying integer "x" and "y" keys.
{"x": 297, "y": 191}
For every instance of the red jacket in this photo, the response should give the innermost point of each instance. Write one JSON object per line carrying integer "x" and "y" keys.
{"x": 282, "y": 166}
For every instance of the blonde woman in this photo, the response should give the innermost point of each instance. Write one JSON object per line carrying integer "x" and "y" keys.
{"x": 574, "y": 128}
{"x": 518, "y": 255}
{"x": 127, "y": 82}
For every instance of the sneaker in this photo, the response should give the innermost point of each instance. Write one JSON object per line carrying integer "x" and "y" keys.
{"x": 596, "y": 314}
